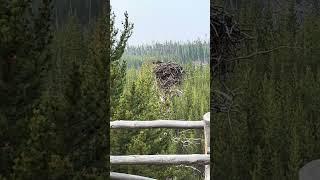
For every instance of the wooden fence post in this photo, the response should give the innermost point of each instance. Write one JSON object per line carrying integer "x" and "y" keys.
{"x": 206, "y": 120}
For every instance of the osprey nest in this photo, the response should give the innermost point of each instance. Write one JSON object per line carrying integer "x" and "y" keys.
{"x": 168, "y": 75}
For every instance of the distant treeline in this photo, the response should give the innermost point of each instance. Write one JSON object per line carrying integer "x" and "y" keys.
{"x": 189, "y": 52}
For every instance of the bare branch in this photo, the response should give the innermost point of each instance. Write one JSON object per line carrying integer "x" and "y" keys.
{"x": 262, "y": 52}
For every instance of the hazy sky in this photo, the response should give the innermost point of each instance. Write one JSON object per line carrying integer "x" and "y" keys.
{"x": 161, "y": 20}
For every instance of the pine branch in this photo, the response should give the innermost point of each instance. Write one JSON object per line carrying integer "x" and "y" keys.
{"x": 262, "y": 52}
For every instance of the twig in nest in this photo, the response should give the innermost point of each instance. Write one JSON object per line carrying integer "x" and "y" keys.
{"x": 225, "y": 41}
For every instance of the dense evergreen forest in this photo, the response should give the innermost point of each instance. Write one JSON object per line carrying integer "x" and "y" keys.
{"x": 142, "y": 99}
{"x": 54, "y": 91}
{"x": 57, "y": 65}
{"x": 86, "y": 11}
{"x": 58, "y": 60}
{"x": 274, "y": 128}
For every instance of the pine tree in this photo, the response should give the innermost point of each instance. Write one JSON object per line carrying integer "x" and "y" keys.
{"x": 24, "y": 55}
{"x": 118, "y": 67}
{"x": 39, "y": 159}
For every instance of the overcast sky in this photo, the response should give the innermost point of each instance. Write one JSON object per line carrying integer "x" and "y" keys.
{"x": 162, "y": 20}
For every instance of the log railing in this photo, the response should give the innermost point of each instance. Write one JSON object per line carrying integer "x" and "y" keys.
{"x": 123, "y": 176}
{"x": 202, "y": 159}
{"x": 173, "y": 124}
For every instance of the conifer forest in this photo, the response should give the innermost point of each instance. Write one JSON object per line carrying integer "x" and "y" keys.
{"x": 67, "y": 71}
{"x": 142, "y": 99}
{"x": 54, "y": 89}
{"x": 265, "y": 91}
{"x": 58, "y": 62}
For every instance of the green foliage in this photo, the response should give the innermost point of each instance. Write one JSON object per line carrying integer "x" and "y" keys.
{"x": 24, "y": 59}
{"x": 54, "y": 109}
{"x": 141, "y": 100}
{"x": 37, "y": 159}
{"x": 87, "y": 11}
{"x": 274, "y": 131}
{"x": 117, "y": 66}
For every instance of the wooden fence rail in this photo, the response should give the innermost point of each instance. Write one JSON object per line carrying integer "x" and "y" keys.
{"x": 173, "y": 124}
{"x": 123, "y": 176}
{"x": 203, "y": 159}
{"x": 199, "y": 159}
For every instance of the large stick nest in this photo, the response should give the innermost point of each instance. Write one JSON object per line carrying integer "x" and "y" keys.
{"x": 225, "y": 41}
{"x": 168, "y": 75}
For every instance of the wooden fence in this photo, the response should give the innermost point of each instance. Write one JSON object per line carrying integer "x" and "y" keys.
{"x": 189, "y": 159}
